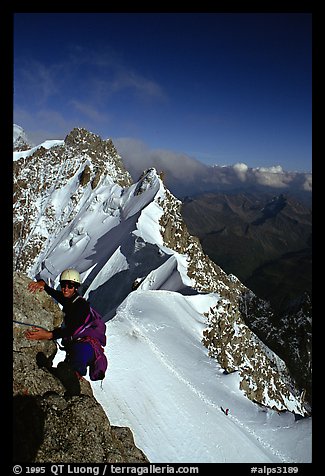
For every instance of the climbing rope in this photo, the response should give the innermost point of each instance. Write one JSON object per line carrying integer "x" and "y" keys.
{"x": 28, "y": 324}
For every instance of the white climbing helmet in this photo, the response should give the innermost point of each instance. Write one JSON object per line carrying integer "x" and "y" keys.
{"x": 70, "y": 275}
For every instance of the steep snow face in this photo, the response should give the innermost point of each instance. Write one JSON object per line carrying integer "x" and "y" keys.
{"x": 103, "y": 241}
{"x": 54, "y": 185}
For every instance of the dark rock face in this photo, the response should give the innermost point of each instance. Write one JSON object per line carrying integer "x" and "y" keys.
{"x": 49, "y": 427}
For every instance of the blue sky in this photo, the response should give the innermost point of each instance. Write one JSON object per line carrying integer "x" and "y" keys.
{"x": 221, "y": 88}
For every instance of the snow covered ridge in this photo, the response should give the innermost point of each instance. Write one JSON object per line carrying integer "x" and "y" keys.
{"x": 76, "y": 206}
{"x": 48, "y": 144}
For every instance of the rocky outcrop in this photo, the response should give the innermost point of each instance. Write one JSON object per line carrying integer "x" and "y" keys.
{"x": 264, "y": 376}
{"x": 207, "y": 276}
{"x": 290, "y": 336}
{"x": 49, "y": 427}
{"x": 102, "y": 155}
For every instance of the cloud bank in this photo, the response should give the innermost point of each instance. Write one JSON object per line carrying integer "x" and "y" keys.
{"x": 185, "y": 175}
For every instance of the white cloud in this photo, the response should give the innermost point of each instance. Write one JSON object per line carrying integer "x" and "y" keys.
{"x": 272, "y": 176}
{"x": 241, "y": 171}
{"x": 274, "y": 169}
{"x": 308, "y": 183}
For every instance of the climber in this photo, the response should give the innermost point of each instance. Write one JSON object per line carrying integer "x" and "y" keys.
{"x": 80, "y": 354}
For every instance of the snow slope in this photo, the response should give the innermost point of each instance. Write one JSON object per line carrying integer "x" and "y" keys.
{"x": 163, "y": 385}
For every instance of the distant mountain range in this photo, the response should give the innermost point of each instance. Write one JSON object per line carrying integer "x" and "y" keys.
{"x": 265, "y": 240}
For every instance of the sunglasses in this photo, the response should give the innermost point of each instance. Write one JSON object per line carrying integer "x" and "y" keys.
{"x": 68, "y": 284}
